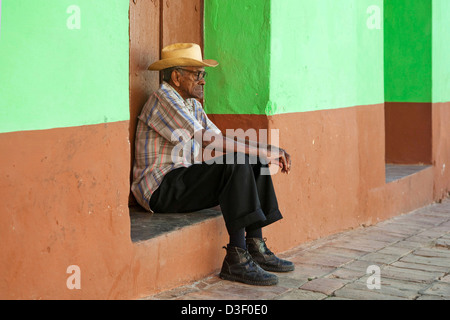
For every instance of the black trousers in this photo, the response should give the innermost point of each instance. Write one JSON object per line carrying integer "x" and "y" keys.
{"x": 246, "y": 197}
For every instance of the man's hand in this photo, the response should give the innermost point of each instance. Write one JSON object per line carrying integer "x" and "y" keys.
{"x": 279, "y": 157}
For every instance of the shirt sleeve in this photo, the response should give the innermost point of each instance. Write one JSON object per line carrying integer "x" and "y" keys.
{"x": 203, "y": 117}
{"x": 211, "y": 126}
{"x": 173, "y": 120}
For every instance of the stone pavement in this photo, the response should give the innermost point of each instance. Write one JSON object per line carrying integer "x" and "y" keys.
{"x": 404, "y": 258}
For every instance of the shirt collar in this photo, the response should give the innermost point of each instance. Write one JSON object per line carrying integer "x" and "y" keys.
{"x": 166, "y": 86}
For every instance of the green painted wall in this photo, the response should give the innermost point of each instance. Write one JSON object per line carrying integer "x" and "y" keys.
{"x": 284, "y": 56}
{"x": 326, "y": 54}
{"x": 441, "y": 50}
{"x": 237, "y": 34}
{"x": 53, "y": 74}
{"x": 408, "y": 50}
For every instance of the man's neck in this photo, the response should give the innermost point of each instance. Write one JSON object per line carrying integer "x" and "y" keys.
{"x": 181, "y": 94}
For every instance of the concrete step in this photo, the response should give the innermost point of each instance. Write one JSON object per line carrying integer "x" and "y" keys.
{"x": 173, "y": 249}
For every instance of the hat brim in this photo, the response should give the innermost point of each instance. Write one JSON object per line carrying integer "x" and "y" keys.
{"x": 181, "y": 62}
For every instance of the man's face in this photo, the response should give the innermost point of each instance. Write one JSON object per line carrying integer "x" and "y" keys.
{"x": 191, "y": 81}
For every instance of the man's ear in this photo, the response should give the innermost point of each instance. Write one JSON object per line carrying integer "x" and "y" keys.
{"x": 175, "y": 76}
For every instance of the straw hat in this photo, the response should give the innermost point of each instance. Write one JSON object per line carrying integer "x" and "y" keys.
{"x": 182, "y": 55}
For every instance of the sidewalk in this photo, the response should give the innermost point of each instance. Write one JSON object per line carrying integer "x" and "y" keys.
{"x": 408, "y": 257}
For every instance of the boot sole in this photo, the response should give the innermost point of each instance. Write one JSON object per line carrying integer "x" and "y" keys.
{"x": 270, "y": 282}
{"x": 278, "y": 269}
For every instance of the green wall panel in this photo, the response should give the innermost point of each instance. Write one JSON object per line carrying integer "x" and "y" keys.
{"x": 441, "y": 50}
{"x": 61, "y": 67}
{"x": 284, "y": 56}
{"x": 237, "y": 34}
{"x": 326, "y": 54}
{"x": 407, "y": 39}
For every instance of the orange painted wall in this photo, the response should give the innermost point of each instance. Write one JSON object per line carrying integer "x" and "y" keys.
{"x": 441, "y": 149}
{"x": 64, "y": 202}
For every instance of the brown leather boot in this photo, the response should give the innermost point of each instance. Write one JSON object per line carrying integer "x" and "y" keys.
{"x": 239, "y": 266}
{"x": 265, "y": 258}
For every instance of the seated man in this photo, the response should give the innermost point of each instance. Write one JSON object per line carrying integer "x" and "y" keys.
{"x": 165, "y": 182}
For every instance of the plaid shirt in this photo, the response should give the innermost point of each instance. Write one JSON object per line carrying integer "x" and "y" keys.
{"x": 165, "y": 128}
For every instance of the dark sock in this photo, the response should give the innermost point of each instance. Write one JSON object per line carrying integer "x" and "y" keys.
{"x": 237, "y": 239}
{"x": 256, "y": 233}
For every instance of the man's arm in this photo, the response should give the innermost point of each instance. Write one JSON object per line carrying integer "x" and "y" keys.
{"x": 274, "y": 154}
{"x": 278, "y": 155}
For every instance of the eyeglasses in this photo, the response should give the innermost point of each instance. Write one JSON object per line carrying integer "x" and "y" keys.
{"x": 200, "y": 74}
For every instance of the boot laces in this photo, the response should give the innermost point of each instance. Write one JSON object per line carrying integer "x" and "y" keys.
{"x": 267, "y": 250}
